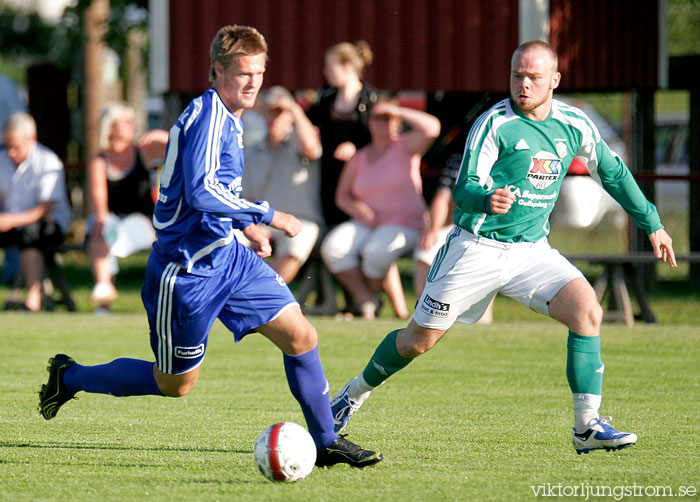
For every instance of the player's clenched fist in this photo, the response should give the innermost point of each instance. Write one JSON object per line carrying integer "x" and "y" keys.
{"x": 286, "y": 222}
{"x": 259, "y": 237}
{"x": 501, "y": 201}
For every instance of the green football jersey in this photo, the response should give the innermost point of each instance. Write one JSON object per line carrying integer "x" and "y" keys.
{"x": 530, "y": 158}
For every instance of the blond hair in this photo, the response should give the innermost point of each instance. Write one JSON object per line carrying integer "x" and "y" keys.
{"x": 234, "y": 40}
{"x": 539, "y": 44}
{"x": 359, "y": 54}
{"x": 112, "y": 111}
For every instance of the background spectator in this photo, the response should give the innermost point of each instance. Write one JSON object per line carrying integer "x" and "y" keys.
{"x": 341, "y": 114}
{"x": 380, "y": 188}
{"x": 35, "y": 209}
{"x": 10, "y": 102}
{"x": 121, "y": 178}
{"x": 283, "y": 168}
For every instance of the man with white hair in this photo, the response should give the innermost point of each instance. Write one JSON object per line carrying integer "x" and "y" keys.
{"x": 33, "y": 200}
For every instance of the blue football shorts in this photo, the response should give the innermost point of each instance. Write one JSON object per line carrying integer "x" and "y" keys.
{"x": 182, "y": 307}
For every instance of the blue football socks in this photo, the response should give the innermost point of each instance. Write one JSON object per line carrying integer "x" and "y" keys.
{"x": 309, "y": 386}
{"x": 122, "y": 377}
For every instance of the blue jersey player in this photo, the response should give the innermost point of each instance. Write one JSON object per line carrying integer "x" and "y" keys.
{"x": 198, "y": 272}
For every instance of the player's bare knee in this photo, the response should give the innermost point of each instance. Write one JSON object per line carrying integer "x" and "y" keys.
{"x": 176, "y": 389}
{"x": 587, "y": 319}
{"x": 592, "y": 314}
{"x": 179, "y": 391}
{"x": 304, "y": 340}
{"x": 414, "y": 341}
{"x": 175, "y": 385}
{"x": 595, "y": 315}
{"x": 415, "y": 349}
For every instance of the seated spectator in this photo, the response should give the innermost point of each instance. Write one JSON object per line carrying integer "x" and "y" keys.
{"x": 35, "y": 209}
{"x": 380, "y": 189}
{"x": 120, "y": 181}
{"x": 282, "y": 167}
{"x": 439, "y": 226}
{"x": 10, "y": 102}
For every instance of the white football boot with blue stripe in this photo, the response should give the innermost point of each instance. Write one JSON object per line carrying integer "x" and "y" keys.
{"x": 601, "y": 436}
{"x": 343, "y": 406}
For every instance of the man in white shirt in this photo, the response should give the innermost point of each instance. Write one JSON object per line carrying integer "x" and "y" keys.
{"x": 34, "y": 208}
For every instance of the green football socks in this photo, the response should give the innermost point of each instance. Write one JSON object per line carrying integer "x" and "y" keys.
{"x": 584, "y": 367}
{"x": 584, "y": 370}
{"x": 385, "y": 362}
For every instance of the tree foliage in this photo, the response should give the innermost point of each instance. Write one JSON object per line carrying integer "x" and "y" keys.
{"x": 683, "y": 27}
{"x": 26, "y": 38}
{"x": 124, "y": 15}
{"x": 24, "y": 35}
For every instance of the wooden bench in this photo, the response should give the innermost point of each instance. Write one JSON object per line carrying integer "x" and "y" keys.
{"x": 621, "y": 272}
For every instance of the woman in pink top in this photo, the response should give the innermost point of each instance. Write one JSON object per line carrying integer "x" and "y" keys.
{"x": 380, "y": 189}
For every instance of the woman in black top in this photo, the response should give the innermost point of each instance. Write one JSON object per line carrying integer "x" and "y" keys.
{"x": 340, "y": 113}
{"x": 120, "y": 186}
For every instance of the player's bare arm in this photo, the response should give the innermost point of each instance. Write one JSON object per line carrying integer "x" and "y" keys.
{"x": 662, "y": 244}
{"x": 501, "y": 201}
{"x": 286, "y": 222}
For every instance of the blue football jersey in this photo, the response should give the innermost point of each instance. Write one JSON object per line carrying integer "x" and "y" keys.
{"x": 199, "y": 203}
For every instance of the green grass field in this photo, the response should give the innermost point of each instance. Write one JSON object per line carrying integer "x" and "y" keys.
{"x": 485, "y": 415}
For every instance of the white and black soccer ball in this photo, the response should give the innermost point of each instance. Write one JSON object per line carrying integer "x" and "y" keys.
{"x": 285, "y": 452}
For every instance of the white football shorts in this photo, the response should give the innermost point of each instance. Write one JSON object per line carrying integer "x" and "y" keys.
{"x": 468, "y": 271}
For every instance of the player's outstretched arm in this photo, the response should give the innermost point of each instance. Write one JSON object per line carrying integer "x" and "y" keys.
{"x": 662, "y": 244}
{"x": 286, "y": 222}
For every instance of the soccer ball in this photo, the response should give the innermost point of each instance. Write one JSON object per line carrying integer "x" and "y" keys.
{"x": 285, "y": 452}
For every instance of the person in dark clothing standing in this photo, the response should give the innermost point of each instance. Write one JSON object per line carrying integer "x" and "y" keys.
{"x": 340, "y": 113}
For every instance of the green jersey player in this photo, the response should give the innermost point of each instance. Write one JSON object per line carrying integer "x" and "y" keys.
{"x": 515, "y": 158}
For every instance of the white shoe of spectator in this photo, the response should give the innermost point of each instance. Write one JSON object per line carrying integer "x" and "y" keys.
{"x": 103, "y": 293}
